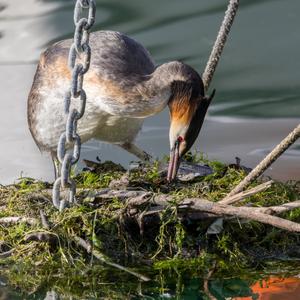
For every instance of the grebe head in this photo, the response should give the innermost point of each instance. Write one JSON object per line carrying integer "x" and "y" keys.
{"x": 188, "y": 107}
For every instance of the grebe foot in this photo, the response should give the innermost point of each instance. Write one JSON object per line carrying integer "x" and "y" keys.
{"x": 135, "y": 150}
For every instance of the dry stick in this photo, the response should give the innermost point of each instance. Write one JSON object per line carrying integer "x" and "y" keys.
{"x": 252, "y": 213}
{"x": 247, "y": 213}
{"x": 271, "y": 210}
{"x": 242, "y": 195}
{"x": 260, "y": 214}
{"x": 89, "y": 249}
{"x": 13, "y": 220}
{"x": 44, "y": 220}
{"x": 266, "y": 162}
{"x": 7, "y": 253}
{"x": 41, "y": 236}
{"x": 277, "y": 209}
{"x": 219, "y": 43}
{"x": 139, "y": 198}
{"x": 280, "y": 208}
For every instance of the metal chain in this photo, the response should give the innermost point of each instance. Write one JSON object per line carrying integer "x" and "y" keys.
{"x": 79, "y": 49}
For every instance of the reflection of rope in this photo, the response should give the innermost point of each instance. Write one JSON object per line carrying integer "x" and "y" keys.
{"x": 206, "y": 280}
{"x": 79, "y": 49}
{"x": 219, "y": 43}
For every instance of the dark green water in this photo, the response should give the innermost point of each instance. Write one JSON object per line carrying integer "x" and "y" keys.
{"x": 268, "y": 284}
{"x": 257, "y": 82}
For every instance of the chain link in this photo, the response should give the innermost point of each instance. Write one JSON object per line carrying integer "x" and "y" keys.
{"x": 79, "y": 49}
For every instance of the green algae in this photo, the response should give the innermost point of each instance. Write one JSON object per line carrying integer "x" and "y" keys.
{"x": 170, "y": 246}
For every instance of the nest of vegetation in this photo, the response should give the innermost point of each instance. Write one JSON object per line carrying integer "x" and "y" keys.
{"x": 131, "y": 226}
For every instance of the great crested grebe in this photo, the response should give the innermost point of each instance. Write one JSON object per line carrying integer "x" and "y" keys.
{"x": 123, "y": 87}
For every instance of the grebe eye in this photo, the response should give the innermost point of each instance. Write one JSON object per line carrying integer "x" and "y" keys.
{"x": 180, "y": 139}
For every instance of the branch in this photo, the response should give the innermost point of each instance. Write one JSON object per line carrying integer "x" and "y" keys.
{"x": 250, "y": 213}
{"x": 7, "y": 253}
{"x": 279, "y": 209}
{"x": 44, "y": 220}
{"x": 260, "y": 214}
{"x": 89, "y": 249}
{"x": 242, "y": 195}
{"x": 41, "y": 236}
{"x": 219, "y": 43}
{"x": 266, "y": 162}
{"x": 13, "y": 220}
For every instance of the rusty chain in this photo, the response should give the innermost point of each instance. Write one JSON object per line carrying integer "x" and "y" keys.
{"x": 70, "y": 138}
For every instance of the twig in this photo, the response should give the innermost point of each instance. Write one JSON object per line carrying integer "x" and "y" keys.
{"x": 139, "y": 200}
{"x": 106, "y": 193}
{"x": 266, "y": 162}
{"x": 279, "y": 209}
{"x": 5, "y": 250}
{"x": 219, "y": 43}
{"x": 200, "y": 215}
{"x": 242, "y": 195}
{"x": 7, "y": 253}
{"x": 246, "y": 213}
{"x": 89, "y": 249}
{"x": 44, "y": 220}
{"x": 260, "y": 214}
{"x": 13, "y": 220}
{"x": 41, "y": 236}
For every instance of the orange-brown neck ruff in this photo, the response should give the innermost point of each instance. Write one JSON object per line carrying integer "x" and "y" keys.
{"x": 183, "y": 103}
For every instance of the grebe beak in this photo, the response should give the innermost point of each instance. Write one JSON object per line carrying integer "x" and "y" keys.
{"x": 174, "y": 162}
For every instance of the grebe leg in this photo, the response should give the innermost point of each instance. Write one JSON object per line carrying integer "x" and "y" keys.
{"x": 56, "y": 164}
{"x": 135, "y": 150}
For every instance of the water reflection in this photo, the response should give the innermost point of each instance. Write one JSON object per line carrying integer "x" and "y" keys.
{"x": 257, "y": 77}
{"x": 274, "y": 288}
{"x": 268, "y": 287}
